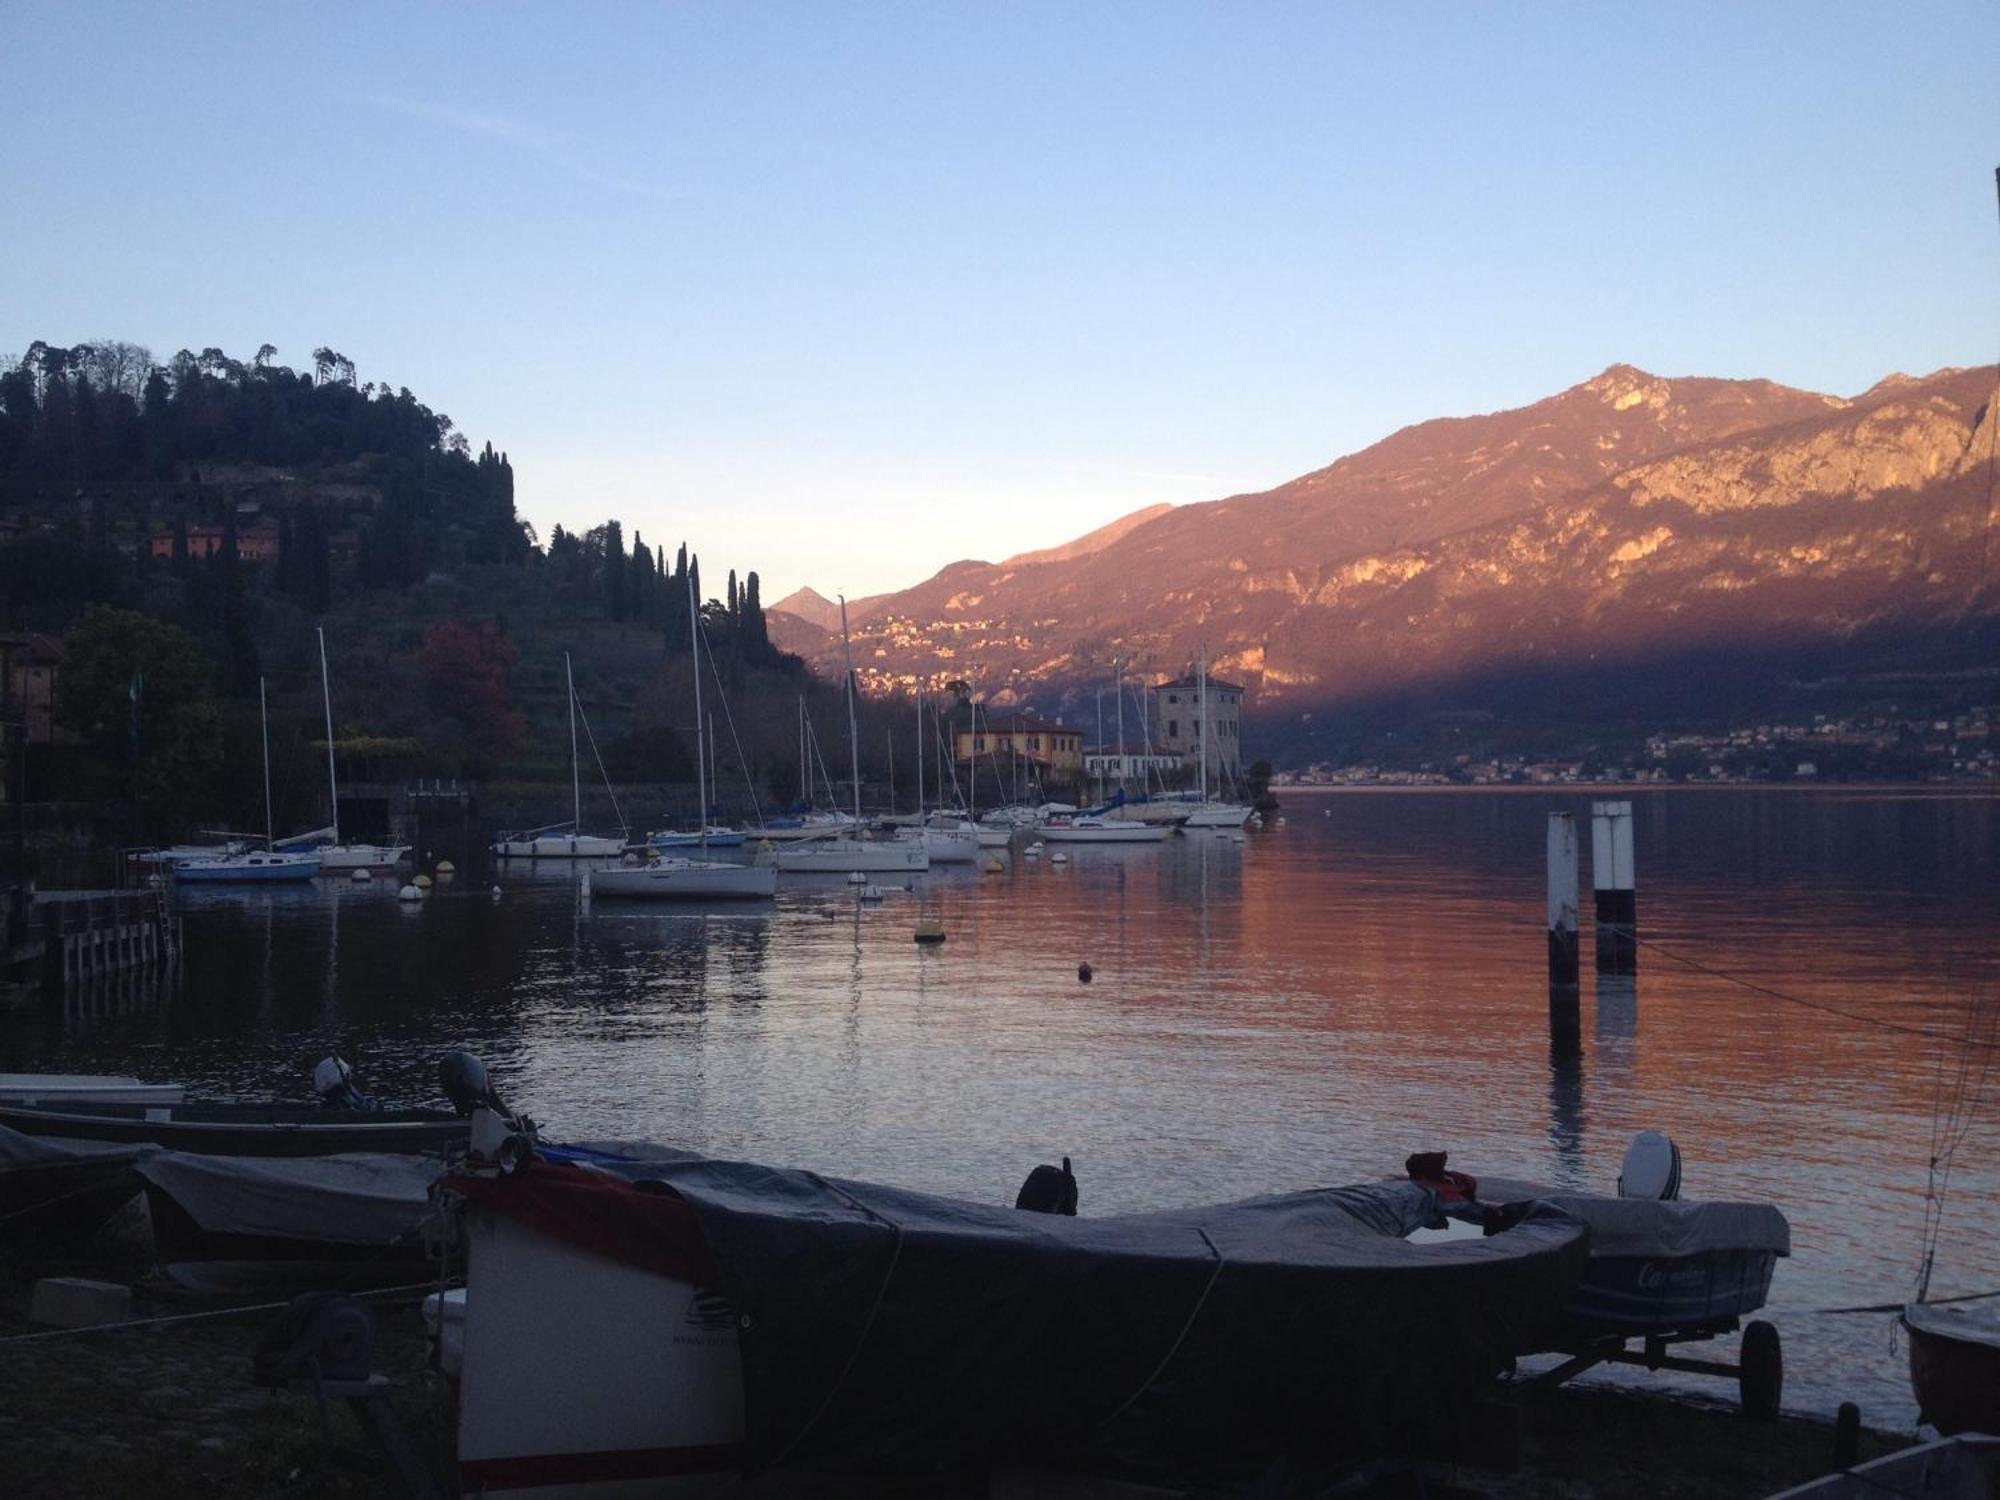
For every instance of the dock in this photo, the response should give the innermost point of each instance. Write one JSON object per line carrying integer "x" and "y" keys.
{"x": 66, "y": 938}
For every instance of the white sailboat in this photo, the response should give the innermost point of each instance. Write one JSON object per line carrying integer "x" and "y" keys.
{"x": 253, "y": 866}
{"x": 336, "y": 855}
{"x": 841, "y": 855}
{"x": 948, "y": 840}
{"x": 1207, "y": 814}
{"x": 673, "y": 877}
{"x": 549, "y": 842}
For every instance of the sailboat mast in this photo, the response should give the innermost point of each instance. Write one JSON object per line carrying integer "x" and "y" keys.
{"x": 853, "y": 733}
{"x": 920, "y": 756}
{"x": 700, "y": 774}
{"x": 1120, "y": 683}
{"x": 575, "y": 766}
{"x": 805, "y": 785}
{"x": 326, "y": 697}
{"x": 264, "y": 717}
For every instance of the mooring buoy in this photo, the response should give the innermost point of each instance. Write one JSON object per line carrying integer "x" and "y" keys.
{"x": 1083, "y": 972}
{"x": 929, "y": 930}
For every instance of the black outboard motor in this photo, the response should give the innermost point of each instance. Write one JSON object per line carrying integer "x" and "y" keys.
{"x": 333, "y": 1081}
{"x": 463, "y": 1079}
{"x": 1049, "y": 1190}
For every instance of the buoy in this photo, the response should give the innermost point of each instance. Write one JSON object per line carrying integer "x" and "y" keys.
{"x": 1281, "y": 820}
{"x": 446, "y": 867}
{"x": 422, "y": 882}
{"x": 1083, "y": 972}
{"x": 872, "y": 893}
{"x": 494, "y": 893}
{"x": 1035, "y": 848}
{"x": 1058, "y": 858}
{"x": 410, "y": 892}
{"x": 929, "y": 930}
{"x": 992, "y": 866}
{"x": 855, "y": 877}
{"x": 361, "y": 875}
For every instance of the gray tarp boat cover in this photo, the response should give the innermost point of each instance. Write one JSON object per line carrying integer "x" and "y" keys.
{"x": 1651, "y": 1228}
{"x": 357, "y": 1199}
{"x": 884, "y": 1328}
{"x": 18, "y": 1151}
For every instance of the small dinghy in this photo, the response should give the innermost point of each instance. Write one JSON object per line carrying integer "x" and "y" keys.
{"x": 85, "y": 1088}
{"x": 637, "y": 1320}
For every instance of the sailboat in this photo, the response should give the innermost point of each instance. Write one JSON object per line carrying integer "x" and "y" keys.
{"x": 948, "y": 840}
{"x": 673, "y": 877}
{"x": 1209, "y": 814}
{"x": 803, "y": 823}
{"x": 252, "y": 865}
{"x": 706, "y": 835}
{"x": 846, "y": 856}
{"x": 549, "y": 843}
{"x": 336, "y": 855}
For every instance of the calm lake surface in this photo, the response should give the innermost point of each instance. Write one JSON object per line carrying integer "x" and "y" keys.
{"x": 1304, "y": 1006}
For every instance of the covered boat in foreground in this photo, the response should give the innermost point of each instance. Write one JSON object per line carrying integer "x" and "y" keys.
{"x": 60, "y": 1190}
{"x": 677, "y": 1317}
{"x": 241, "y": 1129}
{"x": 1955, "y": 1365}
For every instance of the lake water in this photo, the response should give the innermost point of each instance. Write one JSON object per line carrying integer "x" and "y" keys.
{"x": 1306, "y": 1005}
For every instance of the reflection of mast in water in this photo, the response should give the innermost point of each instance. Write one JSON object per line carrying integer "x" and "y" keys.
{"x": 1566, "y": 1114}
{"x": 1617, "y": 1049}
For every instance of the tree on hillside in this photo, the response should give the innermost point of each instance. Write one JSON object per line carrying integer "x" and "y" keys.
{"x": 140, "y": 696}
{"x": 465, "y": 668}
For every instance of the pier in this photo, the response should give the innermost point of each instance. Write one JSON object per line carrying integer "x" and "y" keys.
{"x": 65, "y": 938}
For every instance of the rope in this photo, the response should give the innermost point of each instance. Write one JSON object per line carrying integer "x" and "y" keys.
{"x": 196, "y": 1317}
{"x": 1982, "y": 1044}
{"x": 730, "y": 719}
{"x": 1887, "y": 1307}
{"x": 44, "y": 1204}
{"x": 1179, "y": 1338}
{"x": 624, "y": 827}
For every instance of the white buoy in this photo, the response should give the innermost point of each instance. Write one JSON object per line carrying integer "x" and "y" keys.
{"x": 1058, "y": 858}
{"x": 494, "y": 893}
{"x": 362, "y": 875}
{"x": 410, "y": 892}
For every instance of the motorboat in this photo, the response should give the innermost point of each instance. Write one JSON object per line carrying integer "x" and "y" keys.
{"x": 56, "y": 1190}
{"x": 630, "y": 1322}
{"x": 1217, "y": 815}
{"x": 675, "y": 879}
{"x": 1662, "y": 1269}
{"x": 85, "y": 1088}
{"x": 237, "y": 1223}
{"x": 227, "y": 1128}
{"x": 1955, "y": 1365}
{"x": 1092, "y": 828}
{"x": 845, "y": 856}
{"x": 255, "y": 866}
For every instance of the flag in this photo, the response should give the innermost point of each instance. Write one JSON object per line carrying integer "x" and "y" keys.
{"x": 138, "y": 686}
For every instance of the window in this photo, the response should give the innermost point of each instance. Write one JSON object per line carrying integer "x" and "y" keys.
{"x": 1173, "y": 697}
{"x": 978, "y": 743}
{"x": 1173, "y": 729}
{"x": 1034, "y": 742}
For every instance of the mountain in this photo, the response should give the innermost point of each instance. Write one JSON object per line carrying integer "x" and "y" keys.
{"x": 1628, "y": 519}
{"x": 810, "y": 605}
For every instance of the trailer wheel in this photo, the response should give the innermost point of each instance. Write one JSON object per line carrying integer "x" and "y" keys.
{"x": 1760, "y": 1371}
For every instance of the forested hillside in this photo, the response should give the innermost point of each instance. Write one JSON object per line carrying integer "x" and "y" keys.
{"x": 173, "y": 532}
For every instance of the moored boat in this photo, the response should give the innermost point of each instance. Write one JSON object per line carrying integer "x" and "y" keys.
{"x": 85, "y": 1088}
{"x": 710, "y": 837}
{"x": 673, "y": 879}
{"x": 1089, "y": 828}
{"x": 254, "y": 867}
{"x": 58, "y": 1190}
{"x": 241, "y": 1129}
{"x": 746, "y": 1316}
{"x": 1955, "y": 1366}
{"x": 839, "y": 856}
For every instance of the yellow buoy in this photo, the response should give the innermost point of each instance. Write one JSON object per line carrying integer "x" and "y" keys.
{"x": 422, "y": 882}
{"x": 446, "y": 867}
{"x": 930, "y": 930}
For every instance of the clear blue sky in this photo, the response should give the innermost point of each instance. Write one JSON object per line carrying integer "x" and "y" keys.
{"x": 845, "y": 292}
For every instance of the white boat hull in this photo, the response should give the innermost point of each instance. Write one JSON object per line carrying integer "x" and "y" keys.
{"x": 715, "y": 838}
{"x": 362, "y": 856}
{"x": 685, "y": 880}
{"x": 583, "y": 1376}
{"x": 995, "y": 838}
{"x": 945, "y": 846}
{"x": 561, "y": 846}
{"x": 85, "y": 1088}
{"x": 1107, "y": 833}
{"x": 846, "y": 856}
{"x": 1218, "y": 815}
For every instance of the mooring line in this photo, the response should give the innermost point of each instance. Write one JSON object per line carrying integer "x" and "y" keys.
{"x": 198, "y": 1317}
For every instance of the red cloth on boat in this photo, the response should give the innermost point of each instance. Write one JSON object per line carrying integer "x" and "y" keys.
{"x": 650, "y": 1227}
{"x": 1427, "y": 1168}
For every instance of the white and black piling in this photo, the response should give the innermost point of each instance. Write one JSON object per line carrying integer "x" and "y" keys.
{"x": 1611, "y": 876}
{"x": 1565, "y": 1024}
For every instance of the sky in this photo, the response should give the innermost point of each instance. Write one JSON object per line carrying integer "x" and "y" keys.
{"x": 846, "y": 292}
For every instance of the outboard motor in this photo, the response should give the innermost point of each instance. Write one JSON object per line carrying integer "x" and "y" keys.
{"x": 333, "y": 1081}
{"x": 1049, "y": 1190}
{"x": 463, "y": 1079}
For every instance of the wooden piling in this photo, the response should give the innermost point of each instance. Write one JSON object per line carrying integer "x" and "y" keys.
{"x": 1613, "y": 881}
{"x": 1565, "y": 1024}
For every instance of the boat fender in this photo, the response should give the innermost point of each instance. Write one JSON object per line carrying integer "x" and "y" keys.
{"x": 333, "y": 1082}
{"x": 318, "y": 1336}
{"x": 1049, "y": 1190}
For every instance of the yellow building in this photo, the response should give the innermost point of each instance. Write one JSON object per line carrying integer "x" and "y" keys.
{"x": 1056, "y": 749}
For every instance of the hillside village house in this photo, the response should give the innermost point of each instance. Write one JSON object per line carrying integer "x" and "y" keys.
{"x": 253, "y": 544}
{"x": 1176, "y": 723}
{"x": 1054, "y": 748}
{"x": 28, "y": 667}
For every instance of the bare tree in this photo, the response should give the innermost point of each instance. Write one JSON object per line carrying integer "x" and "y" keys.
{"x": 114, "y": 365}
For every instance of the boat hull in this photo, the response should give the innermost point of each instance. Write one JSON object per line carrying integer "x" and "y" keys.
{"x": 362, "y": 856}
{"x": 1215, "y": 816}
{"x": 686, "y": 881}
{"x": 944, "y": 846}
{"x": 84, "y": 1088}
{"x": 248, "y": 869}
{"x": 584, "y": 1376}
{"x": 1638, "y": 1294}
{"x": 1108, "y": 833}
{"x": 243, "y": 1129}
{"x": 559, "y": 846}
{"x": 1954, "y": 1369}
{"x": 847, "y": 856}
{"x": 716, "y": 838}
